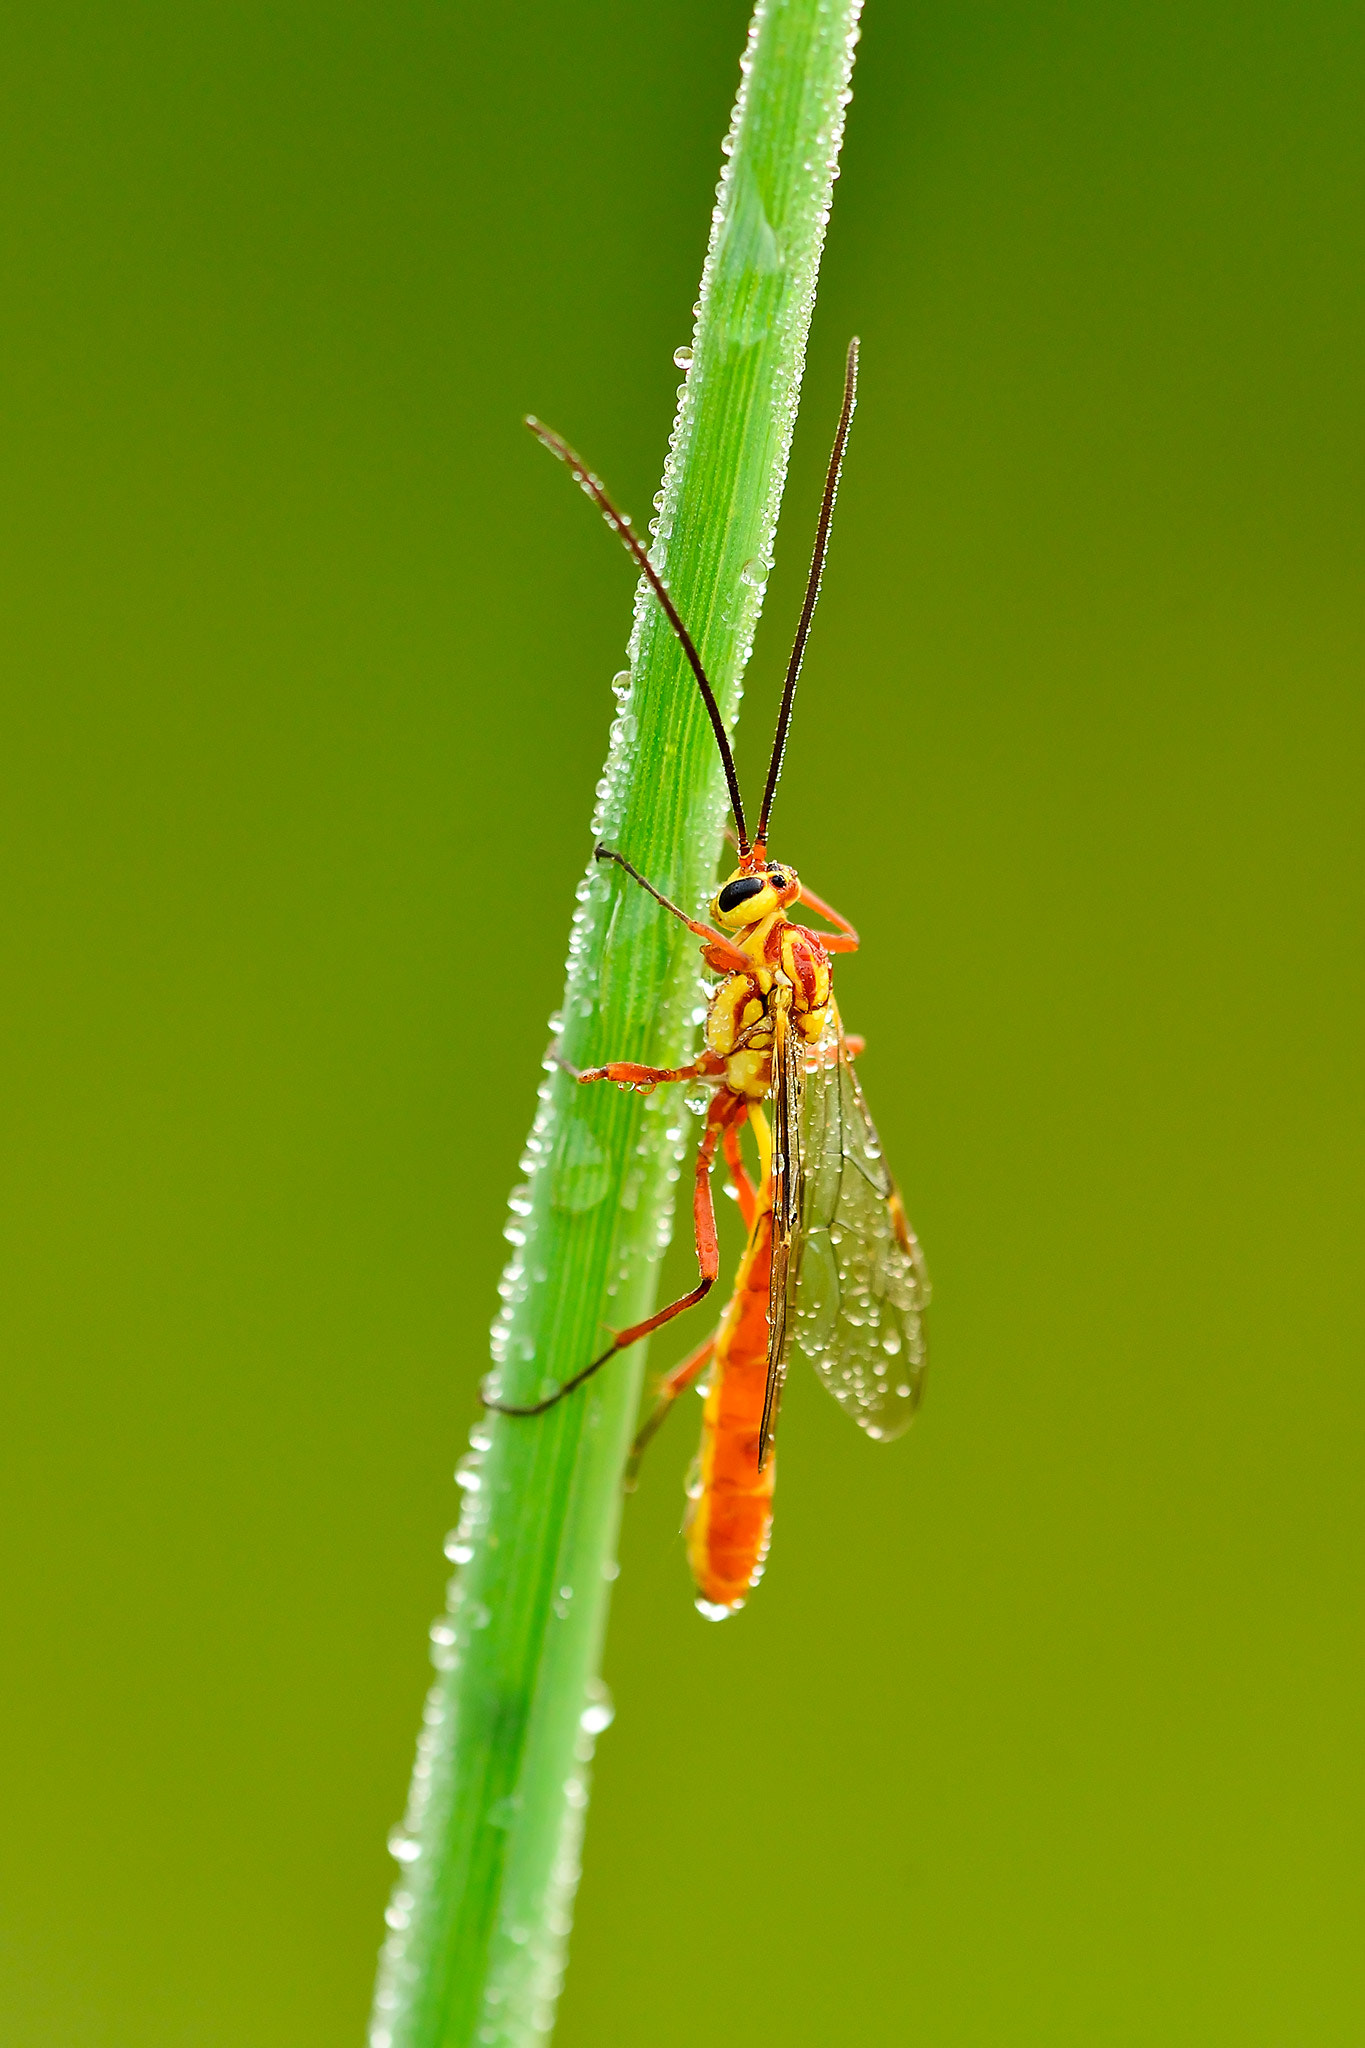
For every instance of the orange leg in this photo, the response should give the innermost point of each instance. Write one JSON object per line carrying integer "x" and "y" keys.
{"x": 682, "y": 1376}
{"x": 725, "y": 1109}
{"x": 844, "y": 939}
{"x": 720, "y": 952}
{"x": 672, "y": 1384}
{"x": 628, "y": 1074}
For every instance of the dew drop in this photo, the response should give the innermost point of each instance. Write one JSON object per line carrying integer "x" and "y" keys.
{"x": 600, "y": 1711}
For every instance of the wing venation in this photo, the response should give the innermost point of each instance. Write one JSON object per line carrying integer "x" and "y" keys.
{"x": 856, "y": 1285}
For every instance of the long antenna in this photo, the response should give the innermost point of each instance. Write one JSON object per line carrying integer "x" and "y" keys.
{"x": 817, "y": 565}
{"x": 620, "y": 525}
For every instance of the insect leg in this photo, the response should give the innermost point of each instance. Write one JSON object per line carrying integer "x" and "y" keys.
{"x": 627, "y": 1074}
{"x": 725, "y": 1108}
{"x": 721, "y": 953}
{"x": 844, "y": 939}
{"x": 672, "y": 1384}
{"x": 682, "y": 1376}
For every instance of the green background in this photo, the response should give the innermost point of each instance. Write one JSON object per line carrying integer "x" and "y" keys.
{"x": 1044, "y": 1726}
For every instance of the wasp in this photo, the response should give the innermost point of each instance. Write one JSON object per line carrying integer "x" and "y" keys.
{"x": 831, "y": 1267}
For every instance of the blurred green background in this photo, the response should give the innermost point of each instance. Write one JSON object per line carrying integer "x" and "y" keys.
{"x": 1044, "y": 1727}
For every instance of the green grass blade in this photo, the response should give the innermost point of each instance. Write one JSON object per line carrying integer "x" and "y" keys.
{"x": 488, "y": 1851}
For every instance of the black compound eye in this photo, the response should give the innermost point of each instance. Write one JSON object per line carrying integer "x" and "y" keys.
{"x": 735, "y": 893}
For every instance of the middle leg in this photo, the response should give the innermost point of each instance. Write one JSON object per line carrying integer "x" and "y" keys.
{"x": 630, "y": 1074}
{"x": 682, "y": 1376}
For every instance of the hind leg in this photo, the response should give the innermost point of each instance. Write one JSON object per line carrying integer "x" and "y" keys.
{"x": 672, "y": 1384}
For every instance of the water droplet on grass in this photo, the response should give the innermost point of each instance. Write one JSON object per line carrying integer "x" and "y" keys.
{"x": 600, "y": 1711}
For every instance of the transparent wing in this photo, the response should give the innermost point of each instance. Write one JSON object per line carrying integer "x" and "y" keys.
{"x": 788, "y": 1079}
{"x": 857, "y": 1288}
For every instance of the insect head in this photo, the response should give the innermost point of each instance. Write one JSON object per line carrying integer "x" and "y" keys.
{"x": 749, "y": 895}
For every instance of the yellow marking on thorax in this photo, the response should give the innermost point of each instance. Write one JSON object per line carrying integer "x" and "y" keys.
{"x": 754, "y": 941}
{"x": 739, "y": 1004}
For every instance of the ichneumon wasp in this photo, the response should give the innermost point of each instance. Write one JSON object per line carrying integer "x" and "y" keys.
{"x": 831, "y": 1267}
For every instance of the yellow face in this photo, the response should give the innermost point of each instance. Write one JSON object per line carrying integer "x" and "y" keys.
{"x": 746, "y": 898}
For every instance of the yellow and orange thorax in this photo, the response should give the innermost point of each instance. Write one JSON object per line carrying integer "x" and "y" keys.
{"x": 738, "y": 1022}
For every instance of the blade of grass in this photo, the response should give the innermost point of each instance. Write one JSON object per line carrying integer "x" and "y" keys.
{"x": 489, "y": 1846}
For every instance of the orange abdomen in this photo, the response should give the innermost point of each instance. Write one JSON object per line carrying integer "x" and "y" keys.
{"x": 731, "y": 1514}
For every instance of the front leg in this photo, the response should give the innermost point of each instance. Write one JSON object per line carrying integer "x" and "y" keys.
{"x": 718, "y": 951}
